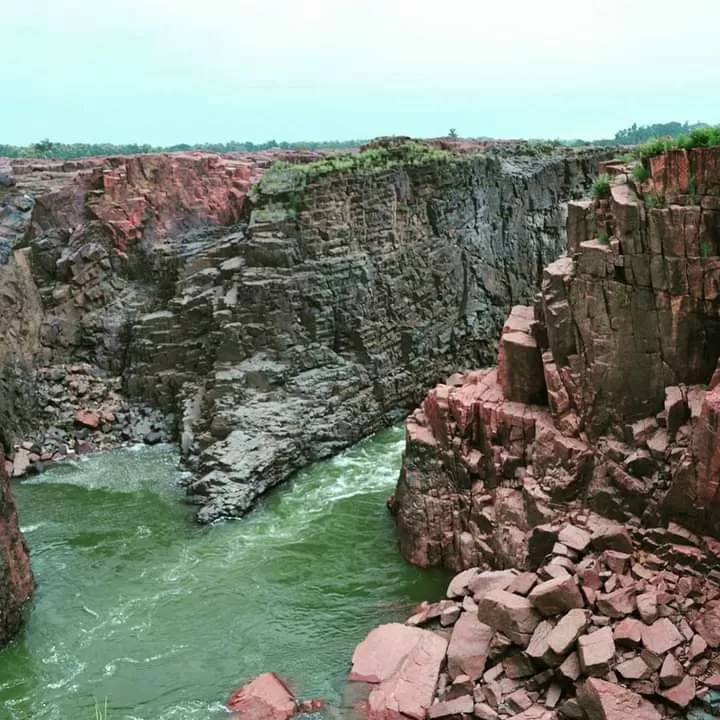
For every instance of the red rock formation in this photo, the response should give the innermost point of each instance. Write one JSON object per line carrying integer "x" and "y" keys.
{"x": 266, "y": 697}
{"x": 401, "y": 665}
{"x": 16, "y": 580}
{"x": 616, "y": 353}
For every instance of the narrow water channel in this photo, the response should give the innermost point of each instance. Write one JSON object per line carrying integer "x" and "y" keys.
{"x": 163, "y": 618}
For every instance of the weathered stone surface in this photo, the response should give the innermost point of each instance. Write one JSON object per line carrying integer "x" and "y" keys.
{"x": 556, "y": 596}
{"x": 568, "y": 630}
{"x": 512, "y": 615}
{"x": 596, "y": 651}
{"x": 403, "y": 662}
{"x": 602, "y": 700}
{"x": 469, "y": 647}
{"x": 661, "y": 636}
{"x": 266, "y": 697}
{"x": 16, "y": 579}
{"x": 708, "y": 623}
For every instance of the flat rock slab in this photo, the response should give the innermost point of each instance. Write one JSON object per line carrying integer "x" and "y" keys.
{"x": 266, "y": 697}
{"x": 575, "y": 538}
{"x": 661, "y": 636}
{"x": 469, "y": 647}
{"x": 602, "y": 700}
{"x": 568, "y": 630}
{"x": 404, "y": 663}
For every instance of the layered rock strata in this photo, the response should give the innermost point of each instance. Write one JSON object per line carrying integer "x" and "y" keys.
{"x": 605, "y": 395}
{"x": 599, "y": 628}
{"x": 347, "y": 295}
{"x": 277, "y": 330}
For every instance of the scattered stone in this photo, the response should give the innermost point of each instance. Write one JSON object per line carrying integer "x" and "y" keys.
{"x": 647, "y": 606}
{"x": 628, "y": 632}
{"x": 671, "y": 672}
{"x": 459, "y": 706}
{"x": 570, "y": 668}
{"x": 634, "y": 669}
{"x": 523, "y": 583}
{"x": 682, "y": 694}
{"x": 575, "y": 538}
{"x": 617, "y": 604}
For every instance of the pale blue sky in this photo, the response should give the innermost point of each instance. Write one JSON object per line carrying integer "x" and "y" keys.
{"x": 169, "y": 71}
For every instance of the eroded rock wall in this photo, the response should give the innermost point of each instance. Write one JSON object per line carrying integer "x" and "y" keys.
{"x": 345, "y": 298}
{"x": 605, "y": 396}
{"x": 16, "y": 579}
{"x": 280, "y": 329}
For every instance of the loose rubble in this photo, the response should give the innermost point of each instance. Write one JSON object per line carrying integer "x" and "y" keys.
{"x": 83, "y": 411}
{"x": 619, "y": 634}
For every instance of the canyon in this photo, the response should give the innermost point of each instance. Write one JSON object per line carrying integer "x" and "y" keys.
{"x": 267, "y": 311}
{"x": 264, "y": 310}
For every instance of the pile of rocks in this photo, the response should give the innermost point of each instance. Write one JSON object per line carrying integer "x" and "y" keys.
{"x": 601, "y": 629}
{"x": 83, "y": 411}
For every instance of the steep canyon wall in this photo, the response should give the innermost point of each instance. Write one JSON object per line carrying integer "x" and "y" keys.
{"x": 277, "y": 316}
{"x": 605, "y": 396}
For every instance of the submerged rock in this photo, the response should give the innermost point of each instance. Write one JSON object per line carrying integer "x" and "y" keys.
{"x": 266, "y": 697}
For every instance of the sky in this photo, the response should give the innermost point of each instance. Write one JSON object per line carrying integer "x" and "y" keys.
{"x": 171, "y": 71}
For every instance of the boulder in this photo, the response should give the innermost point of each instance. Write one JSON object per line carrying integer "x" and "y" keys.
{"x": 596, "y": 651}
{"x": 266, "y": 697}
{"x": 556, "y": 596}
{"x": 403, "y": 663}
{"x": 469, "y": 647}
{"x": 512, "y": 615}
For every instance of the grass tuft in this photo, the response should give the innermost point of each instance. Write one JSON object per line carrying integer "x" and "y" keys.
{"x": 601, "y": 187}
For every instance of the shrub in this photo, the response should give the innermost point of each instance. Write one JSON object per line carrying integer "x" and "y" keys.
{"x": 603, "y": 238}
{"x": 640, "y": 173}
{"x": 601, "y": 187}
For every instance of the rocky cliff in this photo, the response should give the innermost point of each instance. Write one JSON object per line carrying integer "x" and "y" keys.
{"x": 275, "y": 326}
{"x": 605, "y": 396}
{"x": 356, "y": 284}
{"x": 16, "y": 580}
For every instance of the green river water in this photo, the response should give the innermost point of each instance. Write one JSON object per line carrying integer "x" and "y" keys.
{"x": 164, "y": 618}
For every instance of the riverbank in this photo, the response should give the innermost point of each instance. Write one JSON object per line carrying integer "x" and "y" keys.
{"x": 164, "y": 617}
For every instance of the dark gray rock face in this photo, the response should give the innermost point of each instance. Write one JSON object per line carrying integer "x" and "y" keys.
{"x": 281, "y": 330}
{"x": 344, "y": 299}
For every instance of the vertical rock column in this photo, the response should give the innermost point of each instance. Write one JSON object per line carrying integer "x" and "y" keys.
{"x": 16, "y": 579}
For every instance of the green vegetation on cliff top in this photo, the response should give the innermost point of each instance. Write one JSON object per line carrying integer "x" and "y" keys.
{"x": 48, "y": 149}
{"x": 699, "y": 137}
